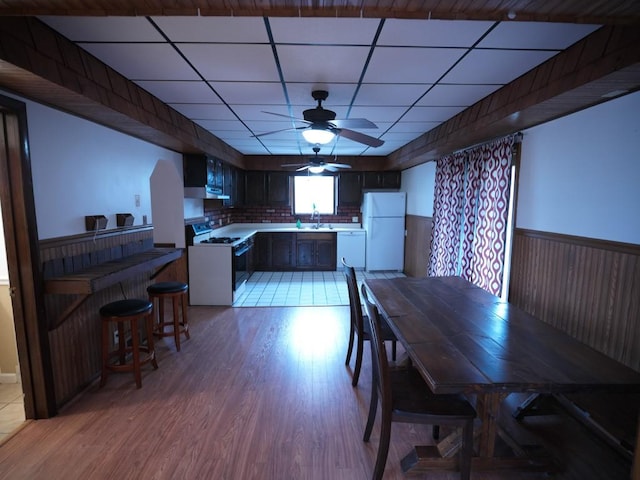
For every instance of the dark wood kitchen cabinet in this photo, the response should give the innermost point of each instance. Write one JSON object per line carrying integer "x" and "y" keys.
{"x": 201, "y": 170}
{"x": 267, "y": 188}
{"x": 389, "y": 179}
{"x": 233, "y": 186}
{"x": 274, "y": 251}
{"x": 316, "y": 251}
{"x": 350, "y": 189}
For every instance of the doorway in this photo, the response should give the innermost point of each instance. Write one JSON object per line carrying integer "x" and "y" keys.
{"x": 23, "y": 262}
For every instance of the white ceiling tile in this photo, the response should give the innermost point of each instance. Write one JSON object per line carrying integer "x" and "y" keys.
{"x": 402, "y": 137}
{"x": 218, "y": 62}
{"x": 456, "y": 95}
{"x": 260, "y": 112}
{"x": 330, "y": 31}
{"x": 204, "y": 111}
{"x": 385, "y": 94}
{"x": 172, "y": 91}
{"x": 412, "y": 127}
{"x": 250, "y": 93}
{"x": 410, "y": 65}
{"x": 536, "y": 35}
{"x": 214, "y": 29}
{"x": 142, "y": 61}
{"x": 375, "y": 114}
{"x": 322, "y": 64}
{"x": 104, "y": 29}
{"x": 495, "y": 66}
{"x": 339, "y": 93}
{"x": 432, "y": 33}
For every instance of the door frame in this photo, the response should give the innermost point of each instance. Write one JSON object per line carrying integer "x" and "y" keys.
{"x": 23, "y": 259}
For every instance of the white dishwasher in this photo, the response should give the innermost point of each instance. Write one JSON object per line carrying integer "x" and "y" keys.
{"x": 351, "y": 245}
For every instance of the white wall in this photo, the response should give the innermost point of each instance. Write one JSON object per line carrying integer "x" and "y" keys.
{"x": 81, "y": 168}
{"x": 419, "y": 182}
{"x": 580, "y": 174}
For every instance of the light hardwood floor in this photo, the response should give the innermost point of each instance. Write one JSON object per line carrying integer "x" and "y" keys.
{"x": 256, "y": 393}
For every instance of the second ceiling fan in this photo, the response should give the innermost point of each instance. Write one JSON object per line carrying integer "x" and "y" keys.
{"x": 322, "y": 126}
{"x": 316, "y": 164}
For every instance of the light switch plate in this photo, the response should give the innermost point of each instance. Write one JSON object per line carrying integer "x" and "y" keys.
{"x": 354, "y": 219}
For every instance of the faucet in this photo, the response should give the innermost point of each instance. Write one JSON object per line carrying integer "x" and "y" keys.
{"x": 316, "y": 214}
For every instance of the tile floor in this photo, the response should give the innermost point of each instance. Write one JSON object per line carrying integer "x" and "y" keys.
{"x": 11, "y": 408}
{"x": 282, "y": 289}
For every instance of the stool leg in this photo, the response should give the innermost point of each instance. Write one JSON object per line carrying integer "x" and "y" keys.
{"x": 135, "y": 347}
{"x": 122, "y": 343}
{"x": 185, "y": 322}
{"x": 149, "y": 320}
{"x": 176, "y": 322}
{"x": 161, "y": 314}
{"x": 105, "y": 353}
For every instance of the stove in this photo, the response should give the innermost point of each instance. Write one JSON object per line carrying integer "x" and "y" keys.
{"x": 220, "y": 240}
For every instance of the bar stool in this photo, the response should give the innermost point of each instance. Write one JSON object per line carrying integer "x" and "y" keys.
{"x": 123, "y": 312}
{"x": 177, "y": 292}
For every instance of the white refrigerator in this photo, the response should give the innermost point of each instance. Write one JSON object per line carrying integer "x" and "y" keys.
{"x": 383, "y": 219}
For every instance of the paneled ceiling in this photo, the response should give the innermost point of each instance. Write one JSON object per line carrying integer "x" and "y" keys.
{"x": 406, "y": 66}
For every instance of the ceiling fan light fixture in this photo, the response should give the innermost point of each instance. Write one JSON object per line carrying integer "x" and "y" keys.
{"x": 318, "y": 136}
{"x": 316, "y": 169}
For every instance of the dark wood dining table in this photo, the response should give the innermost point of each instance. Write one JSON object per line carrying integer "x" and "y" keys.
{"x": 465, "y": 340}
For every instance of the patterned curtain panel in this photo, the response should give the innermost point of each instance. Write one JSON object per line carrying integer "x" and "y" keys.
{"x": 470, "y": 214}
{"x": 484, "y": 227}
{"x": 447, "y": 216}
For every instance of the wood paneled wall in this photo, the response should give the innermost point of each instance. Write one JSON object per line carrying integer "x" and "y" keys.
{"x": 417, "y": 245}
{"x": 588, "y": 288}
{"x": 75, "y": 343}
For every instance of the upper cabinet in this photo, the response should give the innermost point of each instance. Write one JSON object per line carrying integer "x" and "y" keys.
{"x": 201, "y": 170}
{"x": 387, "y": 179}
{"x": 266, "y": 188}
{"x": 350, "y": 189}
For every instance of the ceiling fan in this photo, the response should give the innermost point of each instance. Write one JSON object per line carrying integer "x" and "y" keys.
{"x": 317, "y": 164}
{"x": 322, "y": 126}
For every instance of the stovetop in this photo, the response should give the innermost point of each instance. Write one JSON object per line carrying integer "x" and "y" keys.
{"x": 221, "y": 240}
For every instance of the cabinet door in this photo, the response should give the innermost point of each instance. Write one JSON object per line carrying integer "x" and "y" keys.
{"x": 229, "y": 181}
{"x": 391, "y": 179}
{"x": 277, "y": 188}
{"x": 326, "y": 254}
{"x": 255, "y": 190}
{"x": 305, "y": 253}
{"x": 262, "y": 251}
{"x": 282, "y": 245}
{"x": 349, "y": 189}
{"x": 196, "y": 170}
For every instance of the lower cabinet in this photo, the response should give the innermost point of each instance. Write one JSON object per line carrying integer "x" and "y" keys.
{"x": 295, "y": 251}
{"x": 316, "y": 251}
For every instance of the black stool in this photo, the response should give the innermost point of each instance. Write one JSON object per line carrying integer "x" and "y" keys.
{"x": 127, "y": 311}
{"x": 177, "y": 292}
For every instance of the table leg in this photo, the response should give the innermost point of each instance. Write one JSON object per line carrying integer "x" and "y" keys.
{"x": 488, "y": 408}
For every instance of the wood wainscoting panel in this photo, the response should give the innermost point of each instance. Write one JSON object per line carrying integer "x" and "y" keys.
{"x": 417, "y": 245}
{"x": 588, "y": 288}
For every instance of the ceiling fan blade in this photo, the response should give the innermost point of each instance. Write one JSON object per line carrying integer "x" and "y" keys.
{"x": 359, "y": 137}
{"x": 329, "y": 167}
{"x": 354, "y": 123}
{"x": 339, "y": 165}
{"x": 302, "y": 168}
{"x": 276, "y": 131}
{"x": 289, "y": 117}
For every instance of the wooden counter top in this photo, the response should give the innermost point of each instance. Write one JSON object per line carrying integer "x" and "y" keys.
{"x": 92, "y": 279}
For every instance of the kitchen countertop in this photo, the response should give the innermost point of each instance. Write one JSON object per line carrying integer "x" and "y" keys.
{"x": 244, "y": 230}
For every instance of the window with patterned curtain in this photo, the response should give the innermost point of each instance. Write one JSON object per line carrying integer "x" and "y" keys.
{"x": 471, "y": 208}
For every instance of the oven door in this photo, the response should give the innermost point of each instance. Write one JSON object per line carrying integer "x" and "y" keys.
{"x": 242, "y": 263}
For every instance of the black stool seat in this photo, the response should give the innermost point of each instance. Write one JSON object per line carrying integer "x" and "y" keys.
{"x": 167, "y": 287}
{"x": 124, "y": 308}
{"x": 126, "y": 314}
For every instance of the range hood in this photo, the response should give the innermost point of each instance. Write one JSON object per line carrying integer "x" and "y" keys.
{"x": 206, "y": 192}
